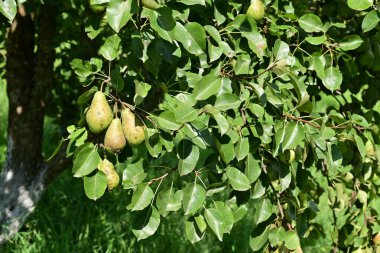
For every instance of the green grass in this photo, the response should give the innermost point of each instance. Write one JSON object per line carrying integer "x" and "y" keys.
{"x": 66, "y": 221}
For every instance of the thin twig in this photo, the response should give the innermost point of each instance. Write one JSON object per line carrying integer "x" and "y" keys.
{"x": 161, "y": 177}
{"x": 317, "y": 126}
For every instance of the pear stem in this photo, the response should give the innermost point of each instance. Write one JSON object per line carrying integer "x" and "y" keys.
{"x": 105, "y": 81}
{"x": 115, "y": 109}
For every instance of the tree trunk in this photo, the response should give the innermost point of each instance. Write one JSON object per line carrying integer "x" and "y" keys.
{"x": 29, "y": 80}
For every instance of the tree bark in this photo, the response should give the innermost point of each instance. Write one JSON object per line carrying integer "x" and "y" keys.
{"x": 29, "y": 81}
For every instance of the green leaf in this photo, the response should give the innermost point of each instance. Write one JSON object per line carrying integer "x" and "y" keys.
{"x": 133, "y": 174}
{"x": 86, "y": 161}
{"x": 141, "y": 91}
{"x": 188, "y": 156}
{"x": 169, "y": 200}
{"x": 162, "y": 22}
{"x": 215, "y": 221}
{"x": 209, "y": 85}
{"x": 87, "y": 96}
{"x": 252, "y": 168}
{"x": 167, "y": 121}
{"x": 81, "y": 68}
{"x": 119, "y": 12}
{"x": 145, "y": 223}
{"x": 109, "y": 50}
{"x": 9, "y": 9}
{"x": 370, "y": 21}
{"x": 186, "y": 113}
{"x": 193, "y": 198}
{"x": 238, "y": 180}
{"x": 300, "y": 87}
{"x": 359, "y": 5}
{"x": 141, "y": 197}
{"x": 222, "y": 123}
{"x": 95, "y": 186}
{"x": 227, "y": 215}
{"x": 259, "y": 238}
{"x": 242, "y": 148}
{"x": 227, "y": 101}
{"x": 316, "y": 40}
{"x": 193, "y": 231}
{"x": 350, "y": 42}
{"x": 360, "y": 145}
{"x": 333, "y": 78}
{"x": 226, "y": 151}
{"x": 311, "y": 23}
{"x": 192, "y": 37}
{"x": 291, "y": 240}
{"x": 280, "y": 50}
{"x": 263, "y": 210}
{"x": 294, "y": 135}
{"x": 193, "y": 2}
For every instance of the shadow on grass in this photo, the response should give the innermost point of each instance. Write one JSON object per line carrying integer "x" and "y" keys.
{"x": 65, "y": 220}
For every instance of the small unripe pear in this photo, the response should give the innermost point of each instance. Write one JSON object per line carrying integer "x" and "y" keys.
{"x": 114, "y": 140}
{"x": 100, "y": 115}
{"x": 150, "y": 4}
{"x": 113, "y": 178}
{"x": 133, "y": 130}
{"x": 256, "y": 10}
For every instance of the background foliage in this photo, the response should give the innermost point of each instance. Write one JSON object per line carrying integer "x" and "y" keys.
{"x": 272, "y": 123}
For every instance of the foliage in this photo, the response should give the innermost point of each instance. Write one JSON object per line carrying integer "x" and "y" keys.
{"x": 278, "y": 117}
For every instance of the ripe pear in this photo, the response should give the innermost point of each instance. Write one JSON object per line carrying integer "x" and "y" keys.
{"x": 134, "y": 131}
{"x": 114, "y": 140}
{"x": 100, "y": 115}
{"x": 256, "y": 10}
{"x": 113, "y": 178}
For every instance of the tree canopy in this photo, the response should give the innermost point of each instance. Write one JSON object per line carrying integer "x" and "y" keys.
{"x": 226, "y": 107}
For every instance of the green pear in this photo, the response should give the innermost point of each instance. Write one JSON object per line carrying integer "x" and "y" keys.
{"x": 150, "y": 4}
{"x": 134, "y": 131}
{"x": 256, "y": 10}
{"x": 100, "y": 115}
{"x": 114, "y": 140}
{"x": 113, "y": 178}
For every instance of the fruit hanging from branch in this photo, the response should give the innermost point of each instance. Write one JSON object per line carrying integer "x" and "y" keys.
{"x": 113, "y": 178}
{"x": 114, "y": 140}
{"x": 100, "y": 115}
{"x": 133, "y": 129}
{"x": 256, "y": 10}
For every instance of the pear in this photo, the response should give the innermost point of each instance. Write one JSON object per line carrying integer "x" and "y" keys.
{"x": 113, "y": 178}
{"x": 100, "y": 115}
{"x": 134, "y": 131}
{"x": 150, "y": 4}
{"x": 114, "y": 139}
{"x": 256, "y": 10}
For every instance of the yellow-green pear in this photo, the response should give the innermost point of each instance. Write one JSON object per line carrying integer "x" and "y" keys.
{"x": 133, "y": 130}
{"x": 150, "y": 4}
{"x": 256, "y": 10}
{"x": 113, "y": 178}
{"x": 114, "y": 140}
{"x": 100, "y": 115}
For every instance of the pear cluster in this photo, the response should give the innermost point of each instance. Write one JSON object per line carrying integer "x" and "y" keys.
{"x": 119, "y": 132}
{"x": 100, "y": 117}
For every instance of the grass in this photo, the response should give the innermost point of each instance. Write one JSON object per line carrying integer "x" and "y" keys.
{"x": 66, "y": 221}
